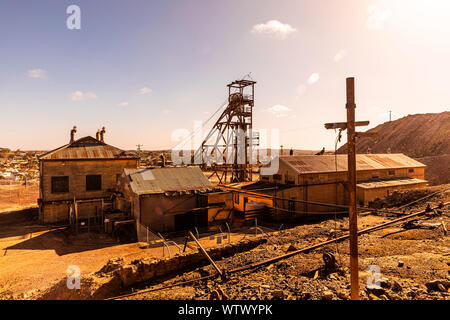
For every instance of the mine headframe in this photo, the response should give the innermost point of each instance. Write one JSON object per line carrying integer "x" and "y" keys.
{"x": 230, "y": 146}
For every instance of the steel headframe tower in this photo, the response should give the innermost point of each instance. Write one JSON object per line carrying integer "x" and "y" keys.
{"x": 230, "y": 145}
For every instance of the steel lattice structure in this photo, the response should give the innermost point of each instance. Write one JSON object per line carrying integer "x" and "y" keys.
{"x": 230, "y": 145}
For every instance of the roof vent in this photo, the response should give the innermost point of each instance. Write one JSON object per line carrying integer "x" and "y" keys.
{"x": 102, "y": 135}
{"x": 72, "y": 134}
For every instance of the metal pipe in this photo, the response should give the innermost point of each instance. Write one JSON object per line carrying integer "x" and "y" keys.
{"x": 206, "y": 254}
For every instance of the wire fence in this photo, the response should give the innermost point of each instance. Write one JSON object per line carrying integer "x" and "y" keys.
{"x": 14, "y": 195}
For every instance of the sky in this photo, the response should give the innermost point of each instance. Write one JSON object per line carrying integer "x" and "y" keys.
{"x": 145, "y": 69}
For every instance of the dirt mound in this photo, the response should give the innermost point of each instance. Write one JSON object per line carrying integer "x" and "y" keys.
{"x": 438, "y": 169}
{"x": 404, "y": 197}
{"x": 418, "y": 135}
{"x": 425, "y": 137}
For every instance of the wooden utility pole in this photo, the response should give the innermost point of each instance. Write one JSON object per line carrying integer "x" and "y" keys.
{"x": 351, "y": 159}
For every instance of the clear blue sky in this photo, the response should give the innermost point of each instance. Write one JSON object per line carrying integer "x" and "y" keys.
{"x": 146, "y": 68}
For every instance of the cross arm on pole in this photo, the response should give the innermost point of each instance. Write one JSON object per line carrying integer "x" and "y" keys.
{"x": 343, "y": 125}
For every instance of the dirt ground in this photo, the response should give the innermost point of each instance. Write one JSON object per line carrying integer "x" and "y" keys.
{"x": 34, "y": 257}
{"x": 408, "y": 261}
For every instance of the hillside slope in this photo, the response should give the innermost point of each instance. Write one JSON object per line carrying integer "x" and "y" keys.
{"x": 425, "y": 137}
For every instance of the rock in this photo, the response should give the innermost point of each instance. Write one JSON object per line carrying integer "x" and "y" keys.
{"x": 328, "y": 295}
{"x": 291, "y": 247}
{"x": 441, "y": 287}
{"x": 373, "y": 297}
{"x": 343, "y": 295}
{"x": 305, "y": 295}
{"x": 378, "y": 291}
{"x": 278, "y": 294}
{"x": 385, "y": 283}
{"x": 396, "y": 287}
{"x": 215, "y": 295}
{"x": 434, "y": 285}
{"x": 400, "y": 264}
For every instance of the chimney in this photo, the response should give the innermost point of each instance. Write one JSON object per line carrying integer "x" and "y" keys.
{"x": 97, "y": 135}
{"x": 72, "y": 134}
{"x": 163, "y": 160}
{"x": 102, "y": 135}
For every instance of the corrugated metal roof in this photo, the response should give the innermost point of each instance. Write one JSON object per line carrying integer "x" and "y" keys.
{"x": 389, "y": 183}
{"x": 87, "y": 148}
{"x": 161, "y": 180}
{"x": 326, "y": 163}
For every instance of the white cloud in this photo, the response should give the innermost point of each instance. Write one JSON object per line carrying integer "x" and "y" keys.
{"x": 340, "y": 55}
{"x": 123, "y": 104}
{"x": 37, "y": 73}
{"x": 313, "y": 78}
{"x": 274, "y": 28}
{"x": 145, "y": 90}
{"x": 80, "y": 96}
{"x": 377, "y": 17}
{"x": 279, "y": 110}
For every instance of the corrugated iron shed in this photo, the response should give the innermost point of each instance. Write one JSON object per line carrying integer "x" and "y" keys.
{"x": 326, "y": 163}
{"x": 390, "y": 183}
{"x": 162, "y": 180}
{"x": 87, "y": 148}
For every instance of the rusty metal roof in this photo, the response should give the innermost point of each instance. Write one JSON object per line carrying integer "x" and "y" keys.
{"x": 390, "y": 183}
{"x": 162, "y": 180}
{"x": 87, "y": 148}
{"x": 326, "y": 163}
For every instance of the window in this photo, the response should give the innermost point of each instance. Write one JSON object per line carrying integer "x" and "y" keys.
{"x": 236, "y": 198}
{"x": 391, "y": 172}
{"x": 93, "y": 182}
{"x": 60, "y": 184}
{"x": 277, "y": 177}
{"x": 374, "y": 176}
{"x": 411, "y": 170}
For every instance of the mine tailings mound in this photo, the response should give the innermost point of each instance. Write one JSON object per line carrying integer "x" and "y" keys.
{"x": 424, "y": 137}
{"x": 115, "y": 277}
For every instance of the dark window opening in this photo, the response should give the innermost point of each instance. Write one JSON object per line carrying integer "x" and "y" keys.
{"x": 93, "y": 182}
{"x": 391, "y": 172}
{"x": 277, "y": 177}
{"x": 60, "y": 184}
{"x": 411, "y": 170}
{"x": 374, "y": 177}
{"x": 236, "y": 198}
